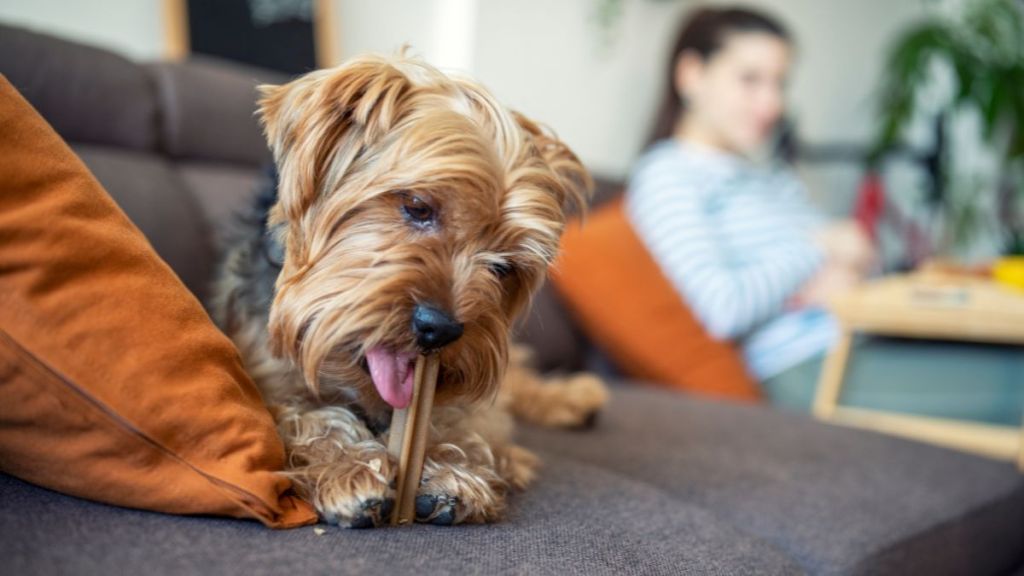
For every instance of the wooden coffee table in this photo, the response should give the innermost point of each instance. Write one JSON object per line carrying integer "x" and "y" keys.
{"x": 934, "y": 306}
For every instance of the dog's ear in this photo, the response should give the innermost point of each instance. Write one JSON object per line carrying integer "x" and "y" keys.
{"x": 318, "y": 124}
{"x": 575, "y": 184}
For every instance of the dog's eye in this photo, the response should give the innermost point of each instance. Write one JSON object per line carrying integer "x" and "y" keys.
{"x": 416, "y": 210}
{"x": 501, "y": 269}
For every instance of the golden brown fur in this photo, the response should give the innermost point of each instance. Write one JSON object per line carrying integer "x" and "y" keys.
{"x": 355, "y": 146}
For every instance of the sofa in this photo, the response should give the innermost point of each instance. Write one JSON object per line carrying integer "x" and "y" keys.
{"x": 664, "y": 483}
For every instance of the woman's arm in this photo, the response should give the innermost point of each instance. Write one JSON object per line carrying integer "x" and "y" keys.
{"x": 732, "y": 276}
{"x": 849, "y": 258}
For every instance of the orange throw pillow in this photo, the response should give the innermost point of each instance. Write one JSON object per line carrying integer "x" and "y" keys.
{"x": 619, "y": 295}
{"x": 114, "y": 384}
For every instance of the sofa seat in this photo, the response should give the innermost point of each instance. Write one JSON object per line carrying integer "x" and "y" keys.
{"x": 836, "y": 500}
{"x": 664, "y": 484}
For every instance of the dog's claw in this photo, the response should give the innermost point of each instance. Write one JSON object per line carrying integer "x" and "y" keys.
{"x": 386, "y": 508}
{"x": 361, "y": 522}
{"x": 446, "y": 518}
{"x": 437, "y": 510}
{"x": 374, "y": 512}
{"x": 590, "y": 421}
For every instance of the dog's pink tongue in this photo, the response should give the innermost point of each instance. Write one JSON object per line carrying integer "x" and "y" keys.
{"x": 392, "y": 374}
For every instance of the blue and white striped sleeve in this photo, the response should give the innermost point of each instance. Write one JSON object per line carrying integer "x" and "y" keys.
{"x": 792, "y": 191}
{"x": 730, "y": 285}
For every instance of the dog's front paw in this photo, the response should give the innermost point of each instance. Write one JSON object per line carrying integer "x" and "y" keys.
{"x": 455, "y": 494}
{"x": 439, "y": 509}
{"x": 368, "y": 513}
{"x": 350, "y": 493}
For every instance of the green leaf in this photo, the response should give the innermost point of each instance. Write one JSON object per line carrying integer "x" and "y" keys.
{"x": 985, "y": 52}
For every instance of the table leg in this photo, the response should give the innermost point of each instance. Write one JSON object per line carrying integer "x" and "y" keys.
{"x": 831, "y": 381}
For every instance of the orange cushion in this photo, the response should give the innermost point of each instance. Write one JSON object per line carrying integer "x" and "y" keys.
{"x": 114, "y": 384}
{"x": 621, "y": 298}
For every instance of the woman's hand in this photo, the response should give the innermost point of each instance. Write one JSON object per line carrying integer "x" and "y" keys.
{"x": 829, "y": 283}
{"x": 849, "y": 257}
{"x": 846, "y": 245}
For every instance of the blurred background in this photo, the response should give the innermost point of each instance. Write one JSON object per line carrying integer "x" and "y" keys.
{"x": 590, "y": 69}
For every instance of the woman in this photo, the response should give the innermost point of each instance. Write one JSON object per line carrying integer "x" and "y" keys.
{"x": 741, "y": 243}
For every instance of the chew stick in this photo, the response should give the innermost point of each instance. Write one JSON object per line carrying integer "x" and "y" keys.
{"x": 408, "y": 441}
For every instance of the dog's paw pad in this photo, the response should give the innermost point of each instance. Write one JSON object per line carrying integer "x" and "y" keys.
{"x": 372, "y": 513}
{"x": 437, "y": 510}
{"x": 589, "y": 421}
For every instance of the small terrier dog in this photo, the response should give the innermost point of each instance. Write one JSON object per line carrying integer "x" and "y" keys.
{"x": 412, "y": 213}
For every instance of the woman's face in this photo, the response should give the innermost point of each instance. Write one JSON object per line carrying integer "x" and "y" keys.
{"x": 735, "y": 98}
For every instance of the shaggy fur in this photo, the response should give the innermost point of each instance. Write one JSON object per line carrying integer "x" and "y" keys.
{"x": 399, "y": 186}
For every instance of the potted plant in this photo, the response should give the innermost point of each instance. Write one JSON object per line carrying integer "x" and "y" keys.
{"x": 980, "y": 51}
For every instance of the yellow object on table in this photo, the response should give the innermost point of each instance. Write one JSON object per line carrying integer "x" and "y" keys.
{"x": 1009, "y": 271}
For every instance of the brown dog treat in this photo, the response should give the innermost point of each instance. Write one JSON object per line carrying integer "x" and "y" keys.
{"x": 408, "y": 443}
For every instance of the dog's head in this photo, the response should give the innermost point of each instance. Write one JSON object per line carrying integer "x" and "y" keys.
{"x": 417, "y": 214}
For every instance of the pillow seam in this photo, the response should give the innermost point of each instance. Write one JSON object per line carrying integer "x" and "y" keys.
{"x": 237, "y": 494}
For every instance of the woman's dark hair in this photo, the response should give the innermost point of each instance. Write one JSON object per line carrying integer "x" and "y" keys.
{"x": 704, "y": 32}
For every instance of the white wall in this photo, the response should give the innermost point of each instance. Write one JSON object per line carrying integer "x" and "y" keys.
{"x": 548, "y": 59}
{"x": 545, "y": 58}
{"x": 841, "y": 51}
{"x": 384, "y": 25}
{"x": 132, "y": 27}
{"x": 441, "y": 31}
{"x": 551, "y": 61}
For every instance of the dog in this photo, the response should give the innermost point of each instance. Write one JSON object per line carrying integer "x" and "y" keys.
{"x": 412, "y": 213}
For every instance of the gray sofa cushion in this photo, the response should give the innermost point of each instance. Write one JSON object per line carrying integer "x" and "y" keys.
{"x": 85, "y": 93}
{"x": 156, "y": 199}
{"x": 665, "y": 484}
{"x": 839, "y": 501}
{"x": 548, "y": 331}
{"x": 223, "y": 192}
{"x": 208, "y": 111}
{"x": 577, "y": 519}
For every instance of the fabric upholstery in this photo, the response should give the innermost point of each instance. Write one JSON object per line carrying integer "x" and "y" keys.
{"x": 549, "y": 332}
{"x": 619, "y": 295}
{"x": 87, "y": 94}
{"x": 222, "y": 192}
{"x": 837, "y": 500}
{"x": 114, "y": 383}
{"x": 208, "y": 111}
{"x": 150, "y": 192}
{"x": 665, "y": 484}
{"x": 618, "y": 526}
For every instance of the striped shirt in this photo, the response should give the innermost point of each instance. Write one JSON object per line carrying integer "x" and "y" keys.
{"x": 736, "y": 242}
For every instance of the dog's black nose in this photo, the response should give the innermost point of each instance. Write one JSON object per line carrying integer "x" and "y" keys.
{"x": 433, "y": 328}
